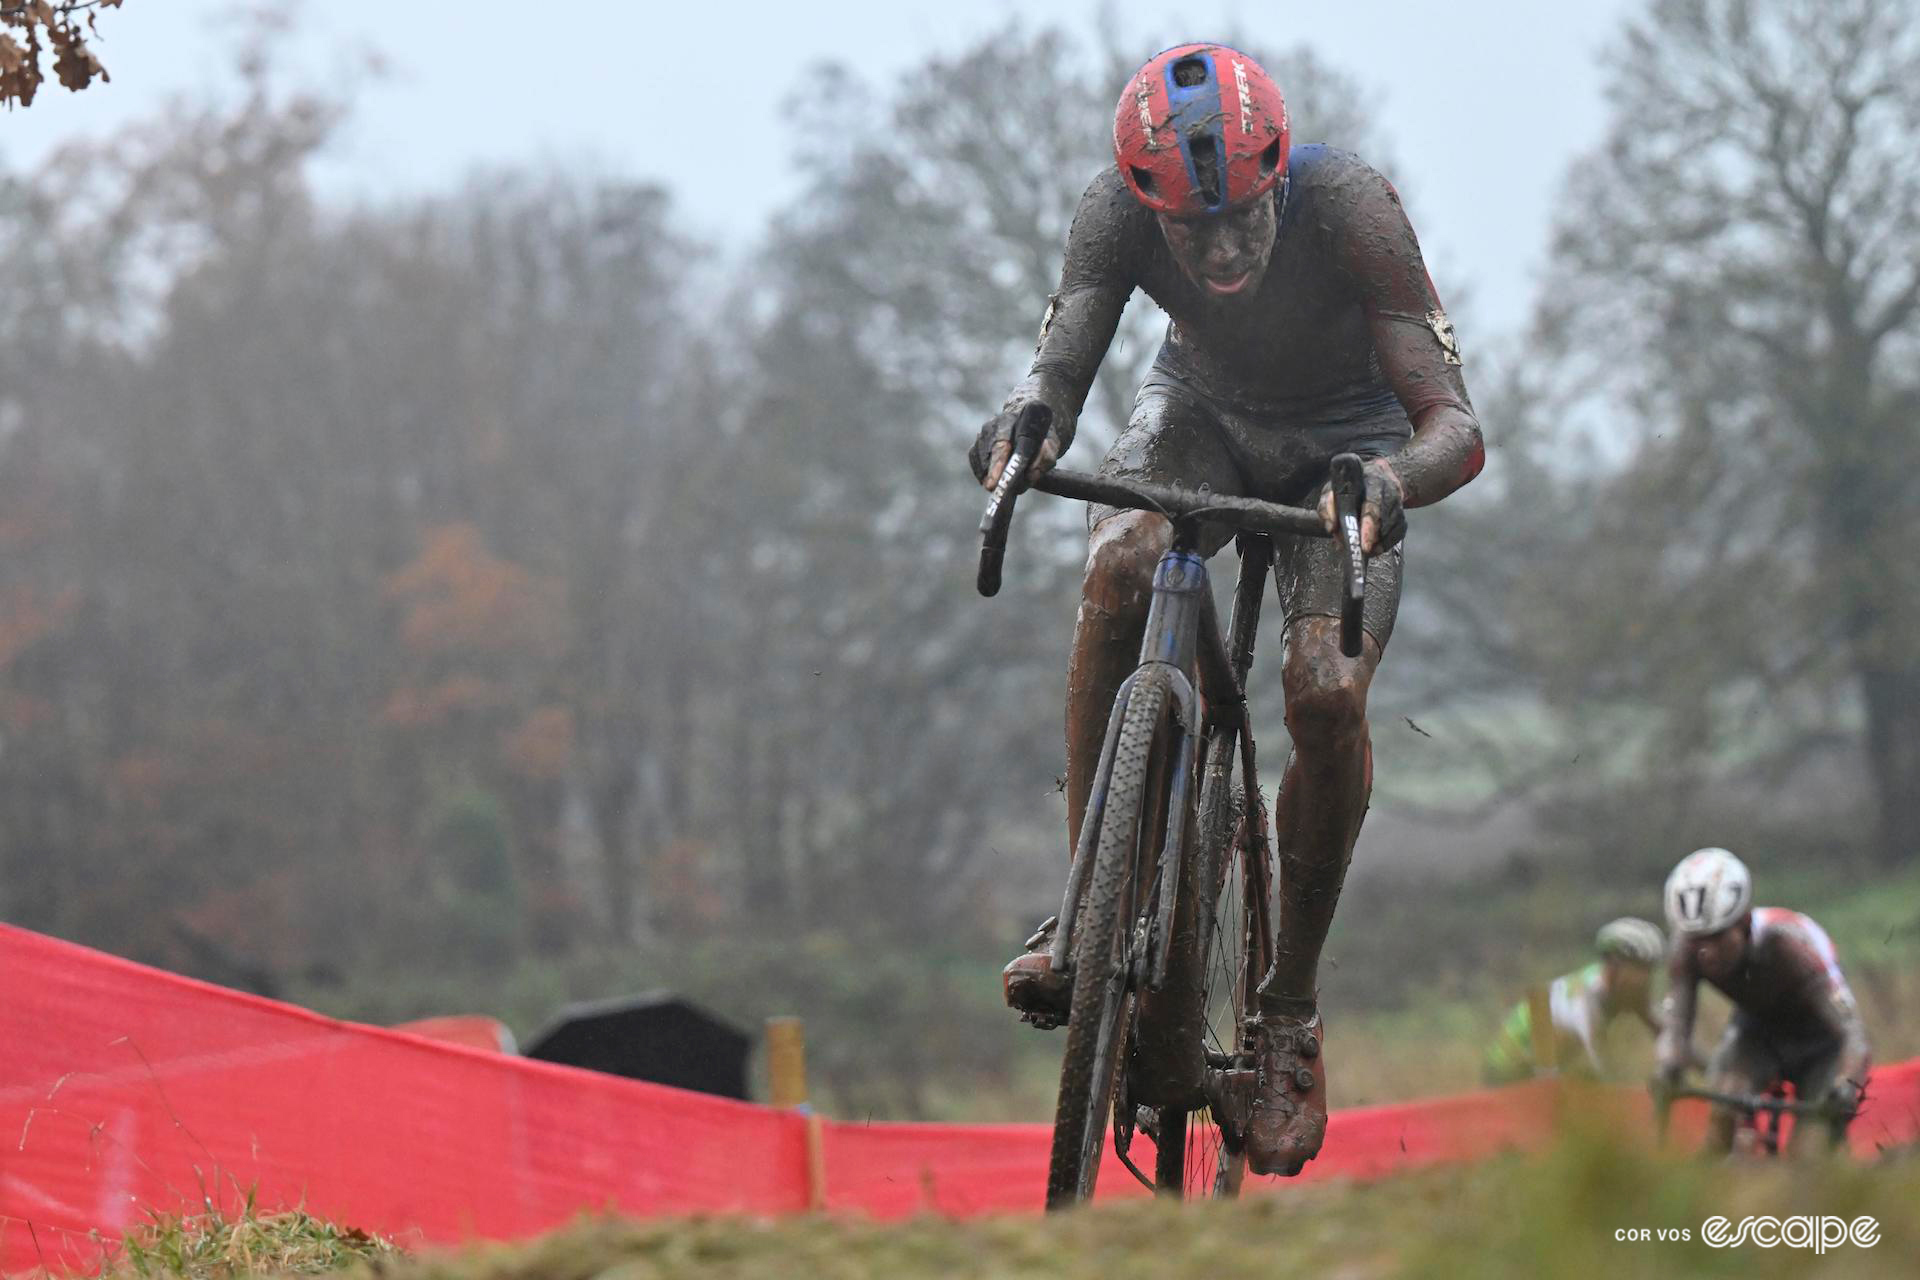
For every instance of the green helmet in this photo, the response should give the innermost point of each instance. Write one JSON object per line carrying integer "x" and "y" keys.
{"x": 1632, "y": 939}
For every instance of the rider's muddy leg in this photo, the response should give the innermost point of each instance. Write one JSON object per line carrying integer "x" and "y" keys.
{"x": 1122, "y": 551}
{"x": 1812, "y": 1080}
{"x": 1322, "y": 801}
{"x": 1721, "y": 1122}
{"x": 1741, "y": 1063}
{"x": 1323, "y": 797}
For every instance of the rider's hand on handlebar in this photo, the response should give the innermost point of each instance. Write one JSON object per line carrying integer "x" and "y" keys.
{"x": 1383, "y": 519}
{"x": 1842, "y": 1100}
{"x": 990, "y": 451}
{"x": 1003, "y": 449}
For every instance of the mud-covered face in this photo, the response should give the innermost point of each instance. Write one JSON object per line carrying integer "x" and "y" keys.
{"x": 1717, "y": 956}
{"x": 1224, "y": 253}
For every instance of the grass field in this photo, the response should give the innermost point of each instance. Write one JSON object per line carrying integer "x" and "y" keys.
{"x": 1556, "y": 1215}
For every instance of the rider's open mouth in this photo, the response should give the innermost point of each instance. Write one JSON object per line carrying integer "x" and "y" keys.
{"x": 1229, "y": 284}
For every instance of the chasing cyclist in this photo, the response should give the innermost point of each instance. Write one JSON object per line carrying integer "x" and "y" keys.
{"x": 1794, "y": 1018}
{"x": 1583, "y": 1004}
{"x": 1304, "y": 324}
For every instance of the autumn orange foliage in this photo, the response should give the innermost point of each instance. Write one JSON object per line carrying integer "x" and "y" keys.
{"x": 409, "y": 708}
{"x": 540, "y": 747}
{"x": 461, "y": 597}
{"x": 27, "y": 615}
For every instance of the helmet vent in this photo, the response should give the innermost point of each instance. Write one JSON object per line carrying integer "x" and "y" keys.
{"x": 1270, "y": 158}
{"x": 1142, "y": 179}
{"x": 1189, "y": 72}
{"x": 1206, "y": 166}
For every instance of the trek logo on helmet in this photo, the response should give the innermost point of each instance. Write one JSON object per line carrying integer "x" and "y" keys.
{"x": 1181, "y": 150}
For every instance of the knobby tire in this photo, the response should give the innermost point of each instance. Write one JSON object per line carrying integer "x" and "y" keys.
{"x": 1103, "y": 927}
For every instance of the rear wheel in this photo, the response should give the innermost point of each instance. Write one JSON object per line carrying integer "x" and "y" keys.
{"x": 1103, "y": 948}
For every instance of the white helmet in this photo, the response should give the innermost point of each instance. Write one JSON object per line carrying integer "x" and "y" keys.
{"x": 1633, "y": 940}
{"x": 1710, "y": 890}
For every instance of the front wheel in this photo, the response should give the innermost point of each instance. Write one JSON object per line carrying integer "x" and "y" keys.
{"x": 1201, "y": 1153}
{"x": 1102, "y": 950}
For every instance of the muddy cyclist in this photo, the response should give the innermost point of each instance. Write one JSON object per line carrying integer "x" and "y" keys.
{"x": 1303, "y": 324}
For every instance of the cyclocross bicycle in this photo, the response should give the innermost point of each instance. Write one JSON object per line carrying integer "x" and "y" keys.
{"x": 1165, "y": 926}
{"x": 1757, "y": 1115}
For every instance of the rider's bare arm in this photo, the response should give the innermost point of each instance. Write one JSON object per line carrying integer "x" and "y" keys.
{"x": 1080, "y": 321}
{"x": 1831, "y": 999}
{"x": 1673, "y": 1052}
{"x": 1855, "y": 1054}
{"x": 1414, "y": 341}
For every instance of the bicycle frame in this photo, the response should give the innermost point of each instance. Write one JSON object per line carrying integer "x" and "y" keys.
{"x": 1183, "y": 634}
{"x": 1157, "y": 952}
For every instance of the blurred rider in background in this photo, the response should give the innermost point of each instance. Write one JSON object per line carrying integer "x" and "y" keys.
{"x": 1582, "y": 1005}
{"x": 1795, "y": 1020}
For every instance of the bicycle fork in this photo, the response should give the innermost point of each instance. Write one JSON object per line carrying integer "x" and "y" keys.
{"x": 1171, "y": 641}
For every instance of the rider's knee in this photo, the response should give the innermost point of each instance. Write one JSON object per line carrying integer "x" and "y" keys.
{"x": 1121, "y": 554}
{"x": 1326, "y": 702}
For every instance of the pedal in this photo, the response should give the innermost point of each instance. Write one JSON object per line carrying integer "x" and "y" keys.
{"x": 1230, "y": 1095}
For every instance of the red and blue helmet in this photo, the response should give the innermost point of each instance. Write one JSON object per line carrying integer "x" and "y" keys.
{"x": 1200, "y": 129}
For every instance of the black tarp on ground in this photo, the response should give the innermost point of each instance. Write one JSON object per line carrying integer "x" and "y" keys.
{"x": 656, "y": 1036}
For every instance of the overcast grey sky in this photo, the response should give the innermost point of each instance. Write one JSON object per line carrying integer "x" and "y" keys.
{"x": 1486, "y": 103}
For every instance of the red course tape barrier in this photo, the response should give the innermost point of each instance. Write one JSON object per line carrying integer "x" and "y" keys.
{"x": 124, "y": 1089}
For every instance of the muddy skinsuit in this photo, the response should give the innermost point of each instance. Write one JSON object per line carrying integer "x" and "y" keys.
{"x": 1342, "y": 345}
{"x": 1794, "y": 1019}
{"x": 1339, "y": 345}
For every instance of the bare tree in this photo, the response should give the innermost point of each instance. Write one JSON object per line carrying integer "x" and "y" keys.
{"x": 1737, "y": 266}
